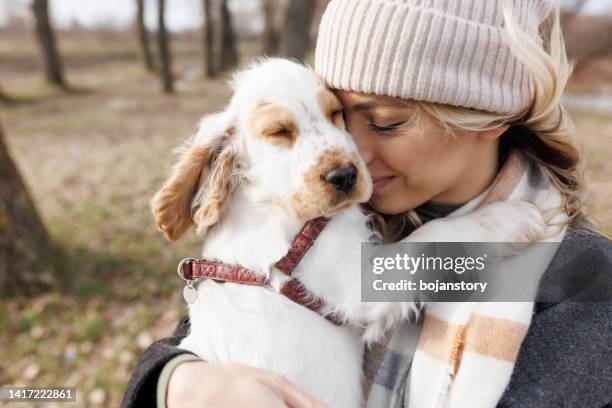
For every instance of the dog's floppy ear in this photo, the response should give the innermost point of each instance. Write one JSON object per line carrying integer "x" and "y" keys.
{"x": 203, "y": 161}
{"x": 216, "y": 189}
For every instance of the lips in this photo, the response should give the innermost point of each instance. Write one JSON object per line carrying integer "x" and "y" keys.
{"x": 380, "y": 182}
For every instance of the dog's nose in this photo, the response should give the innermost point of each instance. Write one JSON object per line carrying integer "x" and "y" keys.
{"x": 342, "y": 178}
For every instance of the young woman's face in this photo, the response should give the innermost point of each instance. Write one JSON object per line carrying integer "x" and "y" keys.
{"x": 415, "y": 162}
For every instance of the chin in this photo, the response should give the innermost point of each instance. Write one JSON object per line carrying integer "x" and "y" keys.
{"x": 387, "y": 208}
{"x": 394, "y": 205}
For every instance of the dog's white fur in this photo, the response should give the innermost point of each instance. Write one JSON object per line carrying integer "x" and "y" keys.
{"x": 249, "y": 216}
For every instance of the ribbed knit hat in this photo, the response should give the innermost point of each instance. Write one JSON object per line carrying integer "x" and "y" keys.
{"x": 446, "y": 51}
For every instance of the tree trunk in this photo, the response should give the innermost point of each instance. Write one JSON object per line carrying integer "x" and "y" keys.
{"x": 271, "y": 36}
{"x": 3, "y": 96}
{"x": 320, "y": 7}
{"x": 601, "y": 48}
{"x": 46, "y": 39}
{"x": 164, "y": 53}
{"x": 208, "y": 40}
{"x": 27, "y": 260}
{"x": 569, "y": 14}
{"x": 143, "y": 37}
{"x": 295, "y": 42}
{"x": 229, "y": 53}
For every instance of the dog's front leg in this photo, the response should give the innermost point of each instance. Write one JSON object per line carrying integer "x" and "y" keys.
{"x": 508, "y": 221}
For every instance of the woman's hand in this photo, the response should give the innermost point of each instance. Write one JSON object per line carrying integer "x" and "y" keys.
{"x": 201, "y": 384}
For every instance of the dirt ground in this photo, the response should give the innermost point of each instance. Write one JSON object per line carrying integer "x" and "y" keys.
{"x": 92, "y": 159}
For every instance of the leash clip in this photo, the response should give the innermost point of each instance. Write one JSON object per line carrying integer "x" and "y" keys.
{"x": 190, "y": 293}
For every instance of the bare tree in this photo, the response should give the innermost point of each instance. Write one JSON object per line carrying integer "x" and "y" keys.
{"x": 208, "y": 39}
{"x": 27, "y": 259}
{"x": 229, "y": 52}
{"x": 296, "y": 41}
{"x": 316, "y": 19}
{"x": 587, "y": 37}
{"x": 3, "y": 97}
{"x": 46, "y": 39}
{"x": 271, "y": 35}
{"x": 143, "y": 36}
{"x": 594, "y": 45}
{"x": 571, "y": 11}
{"x": 164, "y": 52}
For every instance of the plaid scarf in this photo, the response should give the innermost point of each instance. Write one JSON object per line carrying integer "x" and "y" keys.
{"x": 462, "y": 354}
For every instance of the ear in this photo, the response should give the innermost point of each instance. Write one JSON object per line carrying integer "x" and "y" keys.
{"x": 172, "y": 204}
{"x": 216, "y": 190}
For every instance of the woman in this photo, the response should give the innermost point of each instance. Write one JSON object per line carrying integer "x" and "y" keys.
{"x": 453, "y": 104}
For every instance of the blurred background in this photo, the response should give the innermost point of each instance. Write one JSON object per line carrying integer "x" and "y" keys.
{"x": 94, "y": 95}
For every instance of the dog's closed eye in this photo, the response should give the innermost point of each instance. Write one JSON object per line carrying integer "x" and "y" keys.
{"x": 275, "y": 123}
{"x": 282, "y": 130}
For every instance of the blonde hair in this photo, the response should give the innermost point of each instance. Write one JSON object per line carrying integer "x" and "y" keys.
{"x": 542, "y": 132}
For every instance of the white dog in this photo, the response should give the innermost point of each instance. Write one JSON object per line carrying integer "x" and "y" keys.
{"x": 277, "y": 157}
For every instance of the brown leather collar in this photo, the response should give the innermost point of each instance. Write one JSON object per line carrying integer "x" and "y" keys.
{"x": 191, "y": 269}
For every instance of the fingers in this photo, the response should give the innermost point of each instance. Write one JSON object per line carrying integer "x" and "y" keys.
{"x": 292, "y": 396}
{"x": 283, "y": 388}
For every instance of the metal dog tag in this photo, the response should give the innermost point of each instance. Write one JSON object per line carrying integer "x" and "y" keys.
{"x": 190, "y": 294}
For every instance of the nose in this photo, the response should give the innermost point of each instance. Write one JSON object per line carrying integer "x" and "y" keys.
{"x": 365, "y": 145}
{"x": 342, "y": 178}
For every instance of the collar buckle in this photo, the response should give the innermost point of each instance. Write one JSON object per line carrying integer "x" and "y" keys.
{"x": 180, "y": 270}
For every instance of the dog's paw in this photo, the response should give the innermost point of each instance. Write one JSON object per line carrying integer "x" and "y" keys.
{"x": 384, "y": 316}
{"x": 373, "y": 333}
{"x": 511, "y": 221}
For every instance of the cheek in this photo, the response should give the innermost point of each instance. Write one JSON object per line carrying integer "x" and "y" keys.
{"x": 409, "y": 153}
{"x": 428, "y": 154}
{"x": 263, "y": 164}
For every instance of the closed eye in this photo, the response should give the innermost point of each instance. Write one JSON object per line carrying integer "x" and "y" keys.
{"x": 386, "y": 128}
{"x": 283, "y": 132}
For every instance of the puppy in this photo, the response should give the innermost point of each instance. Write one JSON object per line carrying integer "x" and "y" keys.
{"x": 276, "y": 157}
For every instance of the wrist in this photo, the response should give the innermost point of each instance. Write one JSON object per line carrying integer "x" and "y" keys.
{"x": 166, "y": 373}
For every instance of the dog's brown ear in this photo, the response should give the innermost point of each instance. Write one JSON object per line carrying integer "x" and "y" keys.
{"x": 172, "y": 204}
{"x": 214, "y": 195}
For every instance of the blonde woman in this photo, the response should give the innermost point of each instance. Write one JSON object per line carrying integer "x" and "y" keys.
{"x": 453, "y": 104}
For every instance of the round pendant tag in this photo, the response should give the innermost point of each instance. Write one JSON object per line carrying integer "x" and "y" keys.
{"x": 190, "y": 294}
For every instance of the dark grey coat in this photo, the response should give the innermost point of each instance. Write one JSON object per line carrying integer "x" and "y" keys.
{"x": 564, "y": 361}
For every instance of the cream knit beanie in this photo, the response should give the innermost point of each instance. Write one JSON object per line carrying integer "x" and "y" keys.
{"x": 446, "y": 51}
